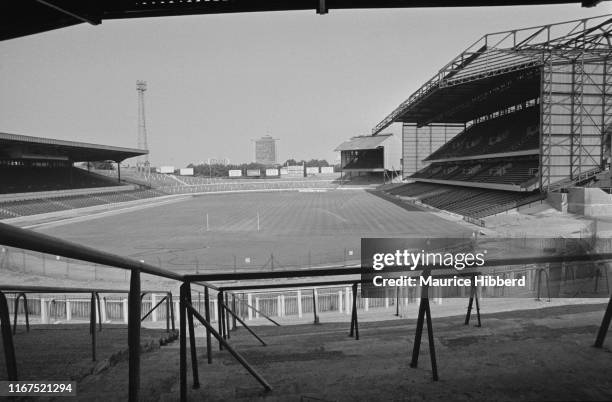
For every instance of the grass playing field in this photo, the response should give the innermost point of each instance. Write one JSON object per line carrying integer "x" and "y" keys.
{"x": 297, "y": 228}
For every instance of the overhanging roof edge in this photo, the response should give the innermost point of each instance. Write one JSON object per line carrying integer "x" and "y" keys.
{"x": 494, "y": 42}
{"x": 70, "y": 144}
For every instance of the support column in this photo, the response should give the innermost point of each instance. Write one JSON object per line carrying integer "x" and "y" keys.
{"x": 207, "y": 317}
{"x": 192, "y": 342}
{"x": 134, "y": 335}
{"x": 605, "y": 324}
{"x": 182, "y": 345}
{"x": 315, "y": 296}
{"x": 424, "y": 315}
{"x": 234, "y": 310}
{"x": 354, "y": 320}
{"x": 92, "y": 325}
{"x": 7, "y": 340}
{"x": 221, "y": 315}
{"x": 226, "y": 316}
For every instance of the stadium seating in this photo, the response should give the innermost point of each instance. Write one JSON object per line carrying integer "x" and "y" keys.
{"x": 518, "y": 171}
{"x": 510, "y": 133}
{"x": 366, "y": 159}
{"x": 467, "y": 201}
{"x": 25, "y": 179}
{"x": 414, "y": 189}
{"x": 11, "y": 209}
{"x": 31, "y": 207}
{"x": 4, "y": 214}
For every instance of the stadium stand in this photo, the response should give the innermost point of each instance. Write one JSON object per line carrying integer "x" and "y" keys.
{"x": 466, "y": 173}
{"x": 366, "y": 159}
{"x": 513, "y": 132}
{"x": 377, "y": 156}
{"x": 467, "y": 201}
{"x": 30, "y": 164}
{"x": 518, "y": 171}
{"x": 520, "y": 138}
{"x": 24, "y": 177}
{"x": 37, "y": 176}
{"x": 12, "y": 209}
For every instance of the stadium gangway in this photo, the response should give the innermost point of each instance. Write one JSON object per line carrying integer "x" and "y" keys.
{"x": 424, "y": 309}
{"x": 30, "y": 240}
{"x": 224, "y": 311}
{"x": 27, "y": 239}
{"x": 224, "y": 326}
{"x": 424, "y": 314}
{"x": 21, "y": 292}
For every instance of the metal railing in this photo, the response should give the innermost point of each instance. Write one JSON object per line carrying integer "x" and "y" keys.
{"x": 21, "y": 238}
{"x": 95, "y": 315}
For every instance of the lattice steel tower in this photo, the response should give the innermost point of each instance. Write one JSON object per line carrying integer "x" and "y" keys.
{"x": 143, "y": 161}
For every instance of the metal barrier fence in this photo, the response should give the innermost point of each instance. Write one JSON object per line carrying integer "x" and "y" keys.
{"x": 26, "y": 261}
{"x": 66, "y": 308}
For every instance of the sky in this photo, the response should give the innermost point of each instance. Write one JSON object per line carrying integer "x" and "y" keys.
{"x": 217, "y": 82}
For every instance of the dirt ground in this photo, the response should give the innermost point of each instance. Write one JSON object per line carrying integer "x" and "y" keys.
{"x": 64, "y": 352}
{"x": 537, "y": 354}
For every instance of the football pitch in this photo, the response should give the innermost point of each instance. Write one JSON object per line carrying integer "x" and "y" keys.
{"x": 254, "y": 230}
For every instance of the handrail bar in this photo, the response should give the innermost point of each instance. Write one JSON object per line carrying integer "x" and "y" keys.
{"x": 246, "y": 275}
{"x": 206, "y": 285}
{"x": 291, "y": 285}
{"x": 26, "y": 239}
{"x": 58, "y": 289}
{"x": 354, "y": 271}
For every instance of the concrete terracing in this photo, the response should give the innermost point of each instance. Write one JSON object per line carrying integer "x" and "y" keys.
{"x": 542, "y": 354}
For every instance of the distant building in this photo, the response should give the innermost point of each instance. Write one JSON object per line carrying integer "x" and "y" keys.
{"x": 265, "y": 150}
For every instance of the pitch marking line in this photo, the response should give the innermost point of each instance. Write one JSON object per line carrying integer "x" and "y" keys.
{"x": 103, "y": 214}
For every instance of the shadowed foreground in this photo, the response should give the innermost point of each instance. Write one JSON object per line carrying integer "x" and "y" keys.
{"x": 543, "y": 354}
